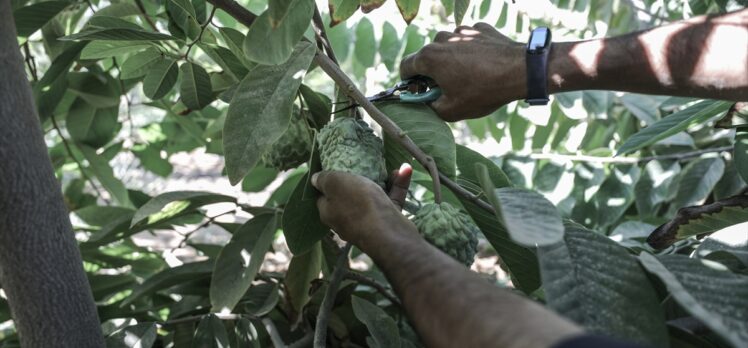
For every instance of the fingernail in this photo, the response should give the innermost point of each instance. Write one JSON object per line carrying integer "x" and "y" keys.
{"x": 314, "y": 179}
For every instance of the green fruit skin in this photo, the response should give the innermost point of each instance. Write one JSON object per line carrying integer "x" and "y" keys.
{"x": 349, "y": 145}
{"x": 448, "y": 229}
{"x": 293, "y": 147}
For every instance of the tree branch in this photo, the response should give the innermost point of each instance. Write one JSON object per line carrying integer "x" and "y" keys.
{"x": 235, "y": 10}
{"x": 323, "y": 316}
{"x": 625, "y": 160}
{"x": 70, "y": 153}
{"x": 275, "y": 336}
{"x": 319, "y": 30}
{"x": 666, "y": 234}
{"x": 362, "y": 279}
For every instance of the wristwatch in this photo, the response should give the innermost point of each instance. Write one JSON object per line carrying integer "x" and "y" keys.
{"x": 537, "y": 66}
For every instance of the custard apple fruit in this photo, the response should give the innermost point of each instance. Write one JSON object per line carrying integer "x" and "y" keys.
{"x": 293, "y": 147}
{"x": 448, "y": 229}
{"x": 349, "y": 145}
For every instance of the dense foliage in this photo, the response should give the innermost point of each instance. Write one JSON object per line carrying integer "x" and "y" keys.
{"x": 145, "y": 81}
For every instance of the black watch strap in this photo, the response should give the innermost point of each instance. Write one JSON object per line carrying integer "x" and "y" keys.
{"x": 537, "y": 72}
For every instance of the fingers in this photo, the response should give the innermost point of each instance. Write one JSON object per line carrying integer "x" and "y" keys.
{"x": 443, "y": 36}
{"x": 328, "y": 182}
{"x": 408, "y": 66}
{"x": 487, "y": 29}
{"x": 447, "y": 109}
{"x": 399, "y": 184}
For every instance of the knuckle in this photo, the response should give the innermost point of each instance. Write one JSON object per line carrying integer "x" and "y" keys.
{"x": 442, "y": 36}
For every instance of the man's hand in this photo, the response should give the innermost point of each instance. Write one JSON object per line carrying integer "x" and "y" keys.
{"x": 355, "y": 207}
{"x": 478, "y": 69}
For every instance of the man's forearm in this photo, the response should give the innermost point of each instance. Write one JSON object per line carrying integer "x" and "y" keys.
{"x": 440, "y": 297}
{"x": 704, "y": 57}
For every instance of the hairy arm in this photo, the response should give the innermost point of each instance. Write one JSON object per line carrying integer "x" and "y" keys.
{"x": 480, "y": 70}
{"x": 705, "y": 57}
{"x": 438, "y": 294}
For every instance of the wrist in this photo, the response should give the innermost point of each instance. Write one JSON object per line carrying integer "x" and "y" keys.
{"x": 560, "y": 69}
{"x": 391, "y": 232}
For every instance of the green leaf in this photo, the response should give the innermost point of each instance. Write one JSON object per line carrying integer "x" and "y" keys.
{"x": 382, "y": 327}
{"x": 138, "y": 64}
{"x": 461, "y": 7}
{"x": 171, "y": 203}
{"x": 261, "y": 109}
{"x": 239, "y": 261}
{"x": 712, "y": 294}
{"x": 105, "y": 49}
{"x": 30, "y": 18}
{"x": 697, "y": 181}
{"x": 62, "y": 63}
{"x": 278, "y": 10}
{"x": 672, "y": 124}
{"x": 235, "y": 41}
{"x": 301, "y": 224}
{"x": 246, "y": 334}
{"x": 117, "y": 34}
{"x": 741, "y": 153}
{"x": 530, "y": 219}
{"x": 160, "y": 78}
{"x": 108, "y": 22}
{"x": 99, "y": 90}
{"x": 170, "y": 277}
{"x": 99, "y": 166}
{"x": 340, "y": 10}
{"x": 141, "y": 335}
{"x": 591, "y": 280}
{"x": 211, "y": 333}
{"x": 150, "y": 159}
{"x": 261, "y": 299}
{"x": 371, "y": 5}
{"x": 466, "y": 161}
{"x": 427, "y": 130}
{"x": 408, "y": 9}
{"x": 303, "y": 269}
{"x": 414, "y": 40}
{"x": 389, "y": 45}
{"x": 616, "y": 193}
{"x": 692, "y": 223}
{"x": 92, "y": 126}
{"x": 520, "y": 261}
{"x": 269, "y": 45}
{"x": 226, "y": 59}
{"x": 122, "y": 9}
{"x": 654, "y": 184}
{"x": 195, "y": 89}
{"x": 259, "y": 178}
{"x": 319, "y": 105}
{"x": 365, "y": 49}
{"x": 643, "y": 107}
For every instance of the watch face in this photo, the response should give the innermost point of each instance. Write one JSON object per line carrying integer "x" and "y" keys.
{"x": 538, "y": 39}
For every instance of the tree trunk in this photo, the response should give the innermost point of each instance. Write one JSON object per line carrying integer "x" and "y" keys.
{"x": 41, "y": 270}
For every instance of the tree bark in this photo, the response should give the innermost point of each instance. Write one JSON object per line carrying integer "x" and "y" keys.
{"x": 41, "y": 269}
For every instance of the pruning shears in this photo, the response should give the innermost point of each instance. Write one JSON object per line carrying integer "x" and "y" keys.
{"x": 418, "y": 89}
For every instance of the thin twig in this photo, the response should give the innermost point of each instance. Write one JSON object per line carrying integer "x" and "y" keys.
{"x": 319, "y": 29}
{"x": 362, "y": 279}
{"x": 30, "y": 61}
{"x": 236, "y": 10}
{"x": 273, "y": 333}
{"x": 205, "y": 224}
{"x": 323, "y": 316}
{"x": 70, "y": 153}
{"x": 147, "y": 18}
{"x": 202, "y": 30}
{"x": 198, "y": 317}
{"x": 625, "y": 160}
